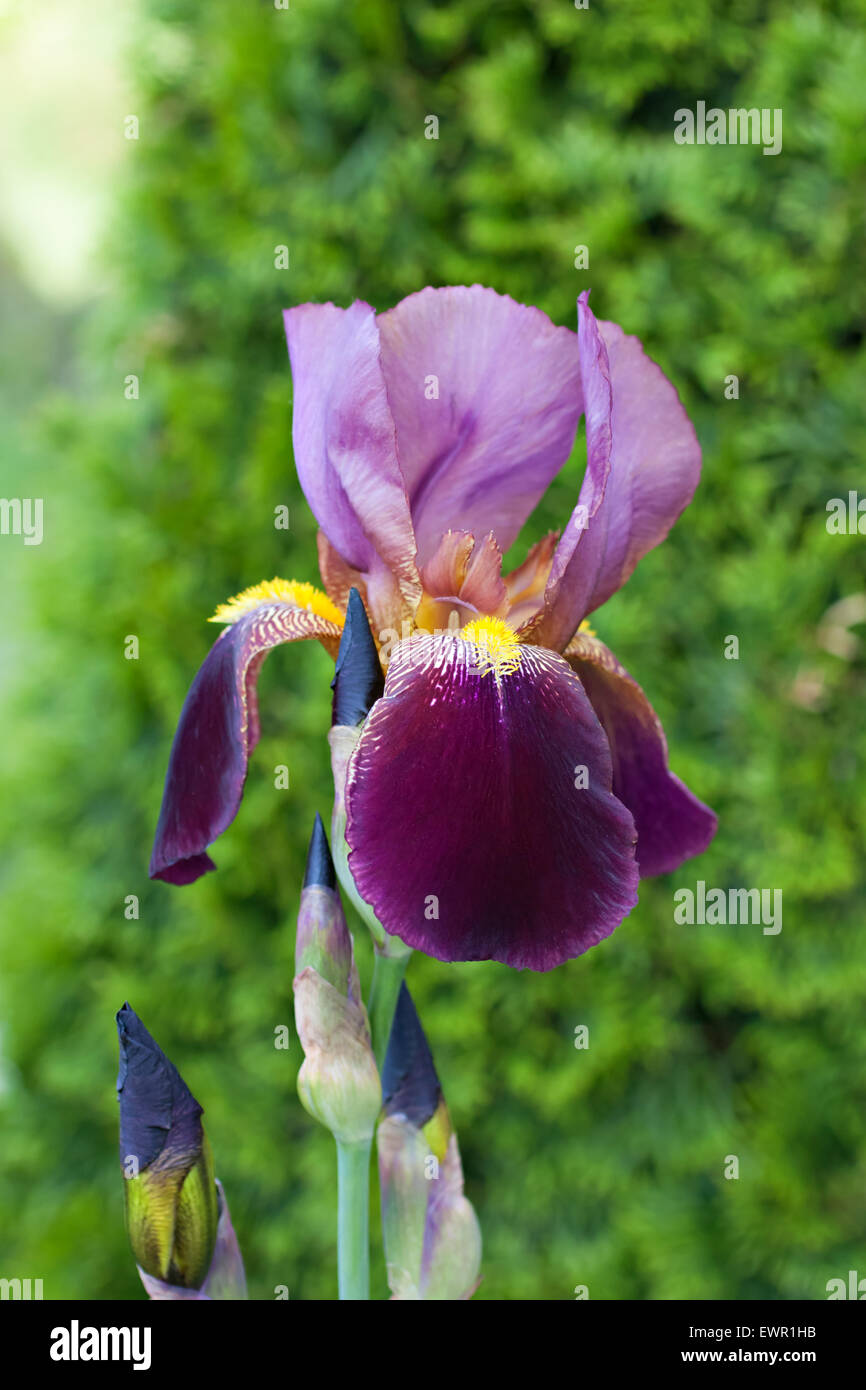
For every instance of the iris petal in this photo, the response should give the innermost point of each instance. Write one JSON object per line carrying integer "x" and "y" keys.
{"x": 672, "y": 824}
{"x": 485, "y": 395}
{"x": 345, "y": 449}
{"x": 471, "y": 832}
{"x": 643, "y": 465}
{"x": 218, "y": 729}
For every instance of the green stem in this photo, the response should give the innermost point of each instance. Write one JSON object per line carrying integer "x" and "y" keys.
{"x": 388, "y": 972}
{"x": 353, "y": 1219}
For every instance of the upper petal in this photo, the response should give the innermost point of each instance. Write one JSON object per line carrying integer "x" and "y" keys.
{"x": 672, "y": 824}
{"x": 643, "y": 465}
{"x": 471, "y": 833}
{"x": 344, "y": 440}
{"x": 485, "y": 396}
{"x": 218, "y": 729}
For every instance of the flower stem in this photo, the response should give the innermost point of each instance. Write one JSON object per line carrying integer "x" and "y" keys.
{"x": 388, "y": 972}
{"x": 353, "y": 1219}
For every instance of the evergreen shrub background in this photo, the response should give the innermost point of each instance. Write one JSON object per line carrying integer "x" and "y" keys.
{"x": 305, "y": 127}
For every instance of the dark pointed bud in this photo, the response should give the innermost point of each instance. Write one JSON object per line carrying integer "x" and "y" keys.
{"x": 410, "y": 1085}
{"x": 320, "y": 866}
{"x": 358, "y": 681}
{"x": 323, "y": 940}
{"x": 171, "y": 1196}
{"x": 432, "y": 1237}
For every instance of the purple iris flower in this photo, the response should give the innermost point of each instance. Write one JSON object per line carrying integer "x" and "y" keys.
{"x": 511, "y": 785}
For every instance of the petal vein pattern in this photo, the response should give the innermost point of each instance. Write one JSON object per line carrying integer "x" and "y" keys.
{"x": 468, "y": 832}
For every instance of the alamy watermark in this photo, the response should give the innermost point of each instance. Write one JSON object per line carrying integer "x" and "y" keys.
{"x": 22, "y": 516}
{"x": 21, "y": 1289}
{"x": 734, "y": 907}
{"x": 847, "y": 516}
{"x": 854, "y": 1287}
{"x": 735, "y": 126}
{"x": 77, "y": 1343}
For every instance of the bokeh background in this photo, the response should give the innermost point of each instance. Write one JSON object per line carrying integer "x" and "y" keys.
{"x": 260, "y": 127}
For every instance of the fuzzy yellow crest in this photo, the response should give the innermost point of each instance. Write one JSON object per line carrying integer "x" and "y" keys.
{"x": 497, "y": 646}
{"x": 294, "y": 591}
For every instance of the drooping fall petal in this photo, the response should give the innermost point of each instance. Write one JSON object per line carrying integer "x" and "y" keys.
{"x": 505, "y": 841}
{"x": 643, "y": 465}
{"x": 672, "y": 824}
{"x": 485, "y": 396}
{"x": 217, "y": 731}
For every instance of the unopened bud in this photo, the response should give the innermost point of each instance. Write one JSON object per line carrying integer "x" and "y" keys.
{"x": 323, "y": 939}
{"x": 225, "y": 1279}
{"x": 358, "y": 681}
{"x": 338, "y": 1082}
{"x": 432, "y": 1236}
{"x": 171, "y": 1196}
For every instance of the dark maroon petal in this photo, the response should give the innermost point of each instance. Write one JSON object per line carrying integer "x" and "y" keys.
{"x": 467, "y": 832}
{"x": 485, "y": 396}
{"x": 672, "y": 825}
{"x": 643, "y": 465}
{"x": 218, "y": 729}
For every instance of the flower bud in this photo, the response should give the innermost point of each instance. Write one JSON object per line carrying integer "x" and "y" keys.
{"x": 225, "y": 1280}
{"x": 323, "y": 939}
{"x": 171, "y": 1196}
{"x": 358, "y": 683}
{"x": 432, "y": 1236}
{"x": 338, "y": 1082}
{"x": 343, "y": 742}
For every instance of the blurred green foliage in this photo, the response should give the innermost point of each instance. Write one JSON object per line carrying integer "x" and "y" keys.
{"x": 305, "y": 127}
